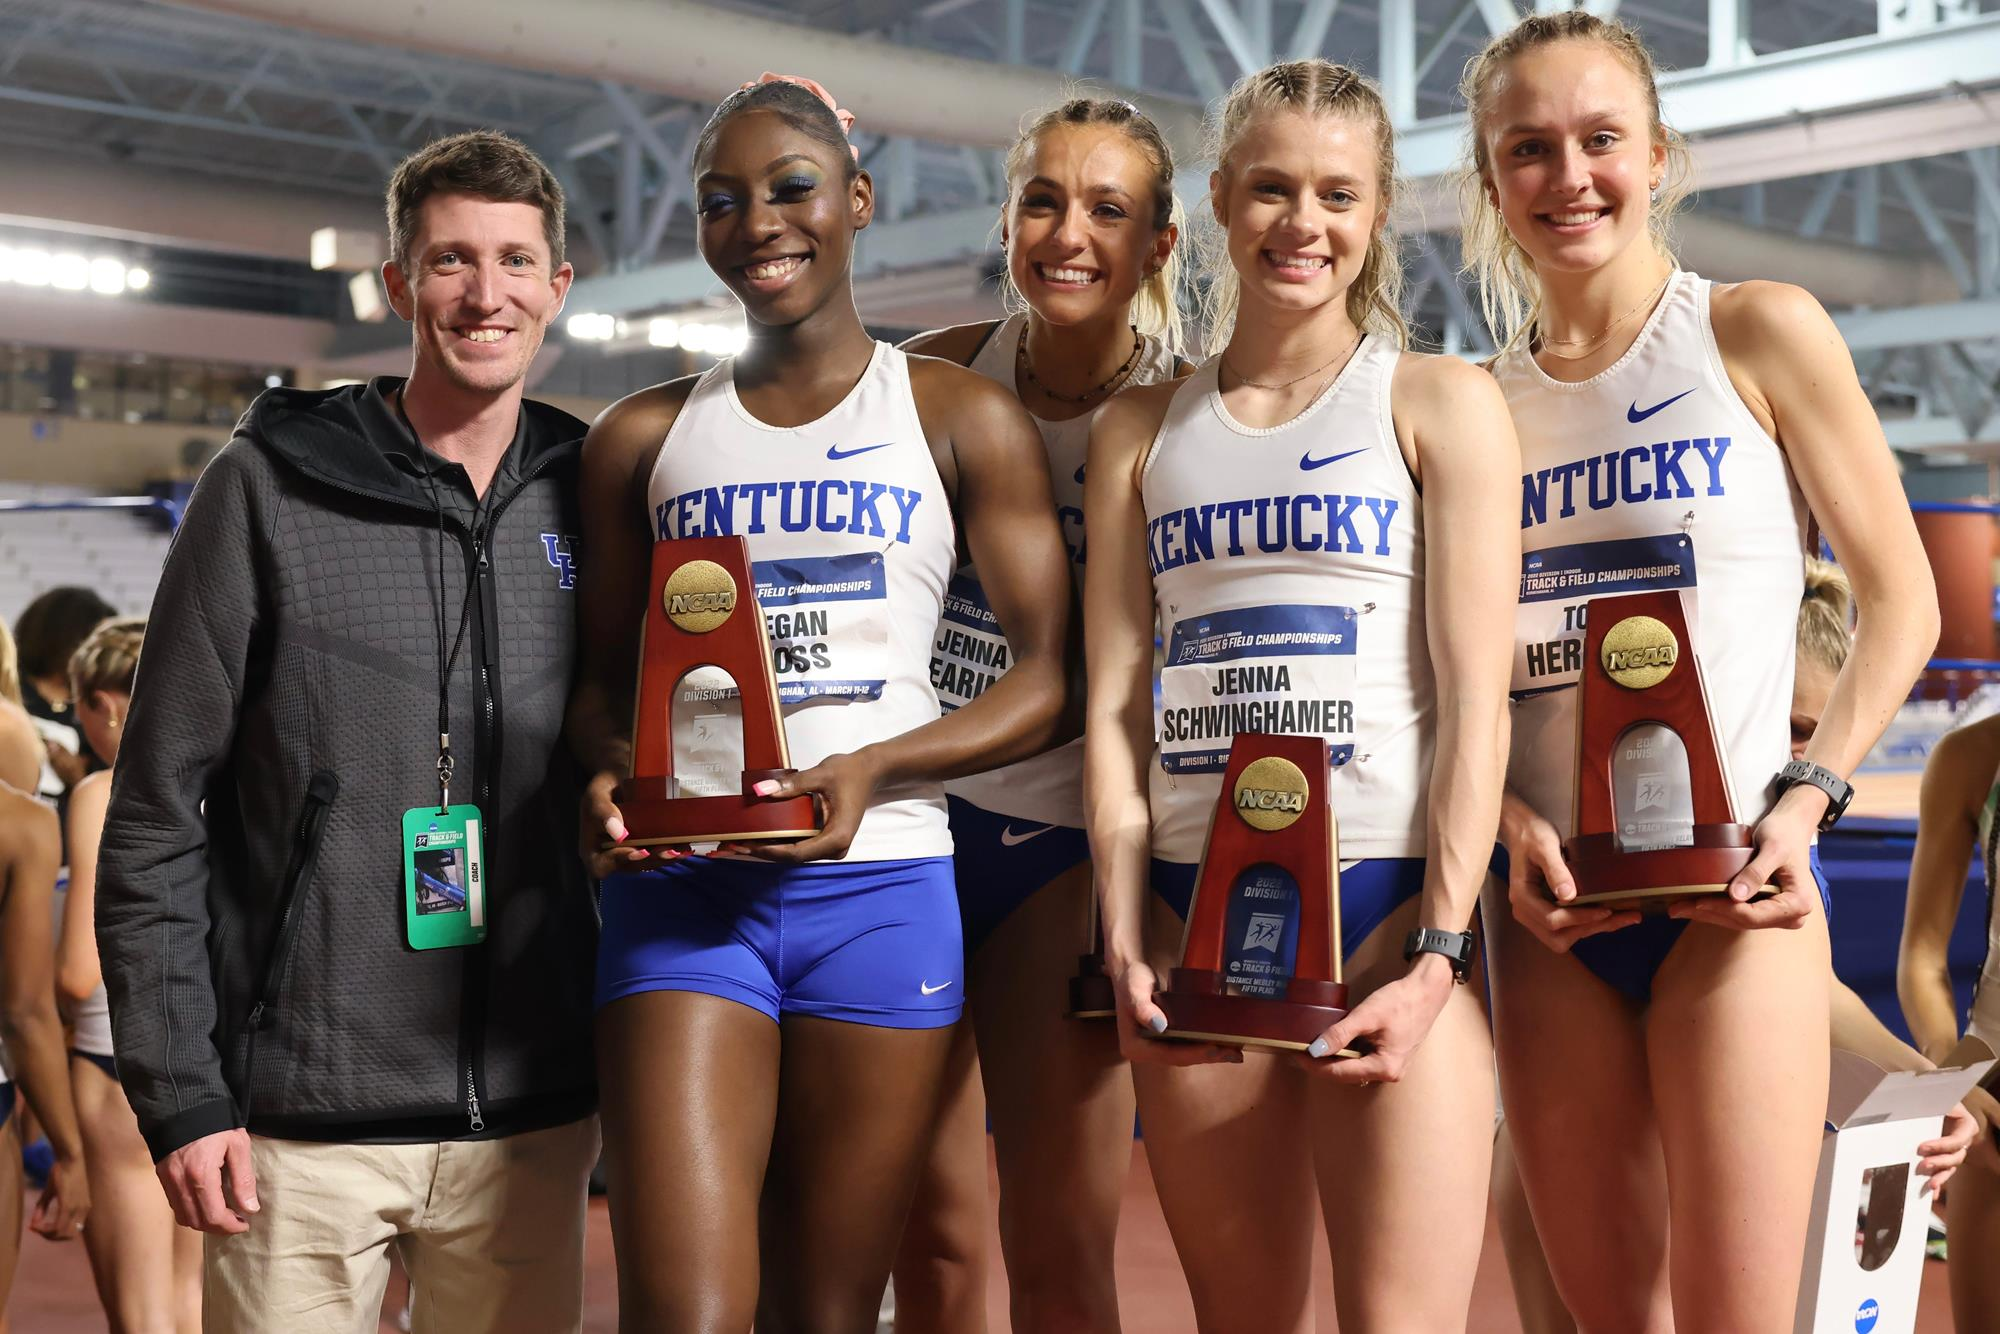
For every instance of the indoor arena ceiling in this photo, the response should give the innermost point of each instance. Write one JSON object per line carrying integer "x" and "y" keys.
{"x": 1902, "y": 97}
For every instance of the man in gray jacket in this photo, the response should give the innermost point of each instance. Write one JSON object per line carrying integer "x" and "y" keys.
{"x": 347, "y": 941}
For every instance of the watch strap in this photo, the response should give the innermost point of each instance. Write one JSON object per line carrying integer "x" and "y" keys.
{"x": 1455, "y": 946}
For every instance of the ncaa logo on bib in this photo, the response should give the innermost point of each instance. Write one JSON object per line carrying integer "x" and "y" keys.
{"x": 1639, "y": 652}
{"x": 1270, "y": 793}
{"x": 698, "y": 596}
{"x": 1865, "y": 1316}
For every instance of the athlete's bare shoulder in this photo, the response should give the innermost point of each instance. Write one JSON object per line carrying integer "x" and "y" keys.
{"x": 1138, "y": 411}
{"x": 1430, "y": 378}
{"x": 627, "y": 435}
{"x": 1966, "y": 757}
{"x": 21, "y": 747}
{"x": 1760, "y": 315}
{"x": 958, "y": 343}
{"x": 950, "y": 395}
{"x": 27, "y": 825}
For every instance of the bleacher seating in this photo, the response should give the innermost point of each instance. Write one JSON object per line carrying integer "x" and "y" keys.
{"x": 116, "y": 552}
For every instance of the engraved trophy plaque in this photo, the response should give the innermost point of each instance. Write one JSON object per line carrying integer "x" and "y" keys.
{"x": 1260, "y": 959}
{"x": 703, "y": 612}
{"x": 1654, "y": 819}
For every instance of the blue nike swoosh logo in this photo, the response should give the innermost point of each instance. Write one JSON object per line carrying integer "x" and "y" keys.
{"x": 1307, "y": 462}
{"x": 1079, "y": 472}
{"x": 1635, "y": 416}
{"x": 836, "y": 453}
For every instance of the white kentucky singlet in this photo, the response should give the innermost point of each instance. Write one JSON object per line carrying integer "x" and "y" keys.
{"x": 1985, "y": 1023}
{"x": 851, "y": 541}
{"x": 970, "y": 652}
{"x": 1652, "y": 474}
{"x": 1288, "y": 568}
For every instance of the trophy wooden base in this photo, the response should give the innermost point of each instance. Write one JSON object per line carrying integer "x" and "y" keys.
{"x": 657, "y": 817}
{"x": 1653, "y": 881}
{"x": 1201, "y": 1008}
{"x": 1090, "y": 992}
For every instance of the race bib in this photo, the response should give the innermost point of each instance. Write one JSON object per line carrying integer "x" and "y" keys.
{"x": 1288, "y": 670}
{"x": 827, "y": 620}
{"x": 969, "y": 652}
{"x": 1558, "y": 582}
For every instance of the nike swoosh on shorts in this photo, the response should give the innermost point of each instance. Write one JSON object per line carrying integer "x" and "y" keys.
{"x": 930, "y": 990}
{"x": 1008, "y": 838}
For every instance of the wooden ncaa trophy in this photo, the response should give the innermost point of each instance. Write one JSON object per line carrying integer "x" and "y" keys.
{"x": 1654, "y": 820}
{"x": 1260, "y": 960}
{"x": 703, "y": 613}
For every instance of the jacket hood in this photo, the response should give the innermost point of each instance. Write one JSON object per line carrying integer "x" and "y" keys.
{"x": 352, "y": 437}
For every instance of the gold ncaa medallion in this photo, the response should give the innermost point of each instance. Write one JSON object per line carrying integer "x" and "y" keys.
{"x": 1270, "y": 793}
{"x": 1639, "y": 652}
{"x": 699, "y": 596}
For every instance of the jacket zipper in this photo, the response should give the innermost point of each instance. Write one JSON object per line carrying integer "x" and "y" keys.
{"x": 320, "y": 793}
{"x": 472, "y": 993}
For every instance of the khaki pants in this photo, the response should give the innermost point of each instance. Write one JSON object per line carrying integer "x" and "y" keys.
{"x": 491, "y": 1233}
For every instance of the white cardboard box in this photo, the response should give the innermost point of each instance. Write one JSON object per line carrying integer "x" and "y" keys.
{"x": 1865, "y": 1250}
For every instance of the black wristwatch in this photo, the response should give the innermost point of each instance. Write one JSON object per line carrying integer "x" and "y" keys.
{"x": 1455, "y": 946}
{"x": 1838, "y": 791}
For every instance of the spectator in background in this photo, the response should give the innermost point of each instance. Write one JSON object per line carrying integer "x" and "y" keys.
{"x": 30, "y": 1031}
{"x": 148, "y": 1271}
{"x": 1956, "y": 817}
{"x": 328, "y": 1056}
{"x": 48, "y": 631}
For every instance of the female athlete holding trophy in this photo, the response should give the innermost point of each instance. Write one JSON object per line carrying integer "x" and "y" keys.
{"x": 773, "y": 1024}
{"x": 1089, "y": 229}
{"x": 1672, "y": 434}
{"x": 1310, "y": 517}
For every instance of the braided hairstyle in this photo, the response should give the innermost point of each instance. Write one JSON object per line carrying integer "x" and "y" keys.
{"x": 1319, "y": 88}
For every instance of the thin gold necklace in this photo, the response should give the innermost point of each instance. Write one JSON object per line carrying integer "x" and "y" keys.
{"x": 1549, "y": 345}
{"x": 1026, "y": 370}
{"x": 1339, "y": 356}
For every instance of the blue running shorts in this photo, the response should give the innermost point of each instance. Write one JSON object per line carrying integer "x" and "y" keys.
{"x": 862, "y": 942}
{"x": 1369, "y": 891}
{"x": 1001, "y": 863}
{"x": 1627, "y": 959}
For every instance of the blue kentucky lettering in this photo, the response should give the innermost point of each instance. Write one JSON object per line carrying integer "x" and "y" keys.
{"x": 827, "y": 505}
{"x": 1355, "y": 524}
{"x": 560, "y": 549}
{"x": 1622, "y": 477}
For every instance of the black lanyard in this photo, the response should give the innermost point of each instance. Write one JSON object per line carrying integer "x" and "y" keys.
{"x": 445, "y": 763}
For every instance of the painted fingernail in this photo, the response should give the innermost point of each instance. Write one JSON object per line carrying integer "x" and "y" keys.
{"x": 1320, "y": 1046}
{"x": 764, "y": 787}
{"x": 616, "y": 828}
{"x": 1158, "y": 1023}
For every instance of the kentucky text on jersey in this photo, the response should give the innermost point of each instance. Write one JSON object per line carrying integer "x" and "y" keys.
{"x": 1623, "y": 477}
{"x": 825, "y": 504}
{"x": 1306, "y": 522}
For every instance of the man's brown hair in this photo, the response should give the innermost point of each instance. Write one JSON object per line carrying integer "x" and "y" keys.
{"x": 479, "y": 162}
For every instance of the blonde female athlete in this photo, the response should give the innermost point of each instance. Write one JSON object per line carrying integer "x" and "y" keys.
{"x": 1671, "y": 1073}
{"x": 1089, "y": 228}
{"x": 1312, "y": 486}
{"x": 148, "y": 1271}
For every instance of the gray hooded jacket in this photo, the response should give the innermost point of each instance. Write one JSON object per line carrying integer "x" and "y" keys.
{"x": 250, "y": 909}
